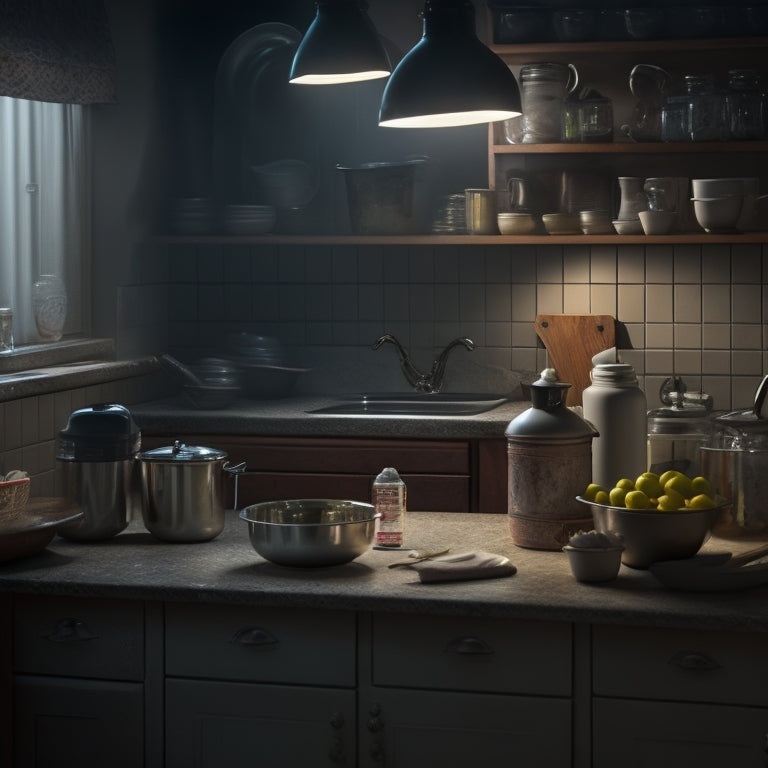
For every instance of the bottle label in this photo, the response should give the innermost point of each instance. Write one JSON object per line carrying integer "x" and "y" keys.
{"x": 390, "y": 504}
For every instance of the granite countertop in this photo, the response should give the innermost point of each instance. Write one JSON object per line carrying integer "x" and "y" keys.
{"x": 292, "y": 417}
{"x": 227, "y": 570}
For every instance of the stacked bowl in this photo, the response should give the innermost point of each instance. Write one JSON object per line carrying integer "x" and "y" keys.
{"x": 719, "y": 203}
{"x": 249, "y": 219}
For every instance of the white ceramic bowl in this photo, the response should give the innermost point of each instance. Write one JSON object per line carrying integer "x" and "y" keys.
{"x": 591, "y": 564}
{"x": 628, "y": 226}
{"x": 561, "y": 223}
{"x": 722, "y": 187}
{"x": 516, "y": 223}
{"x": 657, "y": 222}
{"x": 718, "y": 214}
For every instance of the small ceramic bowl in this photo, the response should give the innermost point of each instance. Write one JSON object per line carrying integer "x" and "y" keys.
{"x": 657, "y": 222}
{"x": 596, "y": 223}
{"x": 561, "y": 223}
{"x": 628, "y": 226}
{"x": 594, "y": 564}
{"x": 516, "y": 223}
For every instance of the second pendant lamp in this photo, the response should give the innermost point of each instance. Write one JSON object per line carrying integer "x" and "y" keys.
{"x": 449, "y": 78}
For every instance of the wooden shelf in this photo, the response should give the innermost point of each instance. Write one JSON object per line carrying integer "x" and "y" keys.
{"x": 521, "y": 53}
{"x": 563, "y": 240}
{"x": 633, "y": 148}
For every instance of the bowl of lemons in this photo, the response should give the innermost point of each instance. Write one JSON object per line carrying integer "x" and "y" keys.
{"x": 659, "y": 517}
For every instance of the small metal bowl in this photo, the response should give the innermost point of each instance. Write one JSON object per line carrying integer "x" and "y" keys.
{"x": 650, "y": 536}
{"x": 310, "y": 532}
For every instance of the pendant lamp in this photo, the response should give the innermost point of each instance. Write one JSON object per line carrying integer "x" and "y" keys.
{"x": 340, "y": 46}
{"x": 449, "y": 77}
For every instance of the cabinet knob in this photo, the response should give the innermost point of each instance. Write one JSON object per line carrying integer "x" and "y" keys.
{"x": 337, "y": 720}
{"x": 375, "y": 724}
{"x": 694, "y": 661}
{"x": 377, "y": 752}
{"x": 253, "y": 636}
{"x": 67, "y": 630}
{"x": 336, "y": 750}
{"x": 468, "y": 646}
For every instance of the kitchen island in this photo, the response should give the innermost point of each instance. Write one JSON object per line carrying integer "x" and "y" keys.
{"x": 212, "y": 652}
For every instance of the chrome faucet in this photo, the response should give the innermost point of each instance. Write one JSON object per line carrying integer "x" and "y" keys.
{"x": 424, "y": 382}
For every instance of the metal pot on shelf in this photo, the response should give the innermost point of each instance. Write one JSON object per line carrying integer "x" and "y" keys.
{"x": 182, "y": 491}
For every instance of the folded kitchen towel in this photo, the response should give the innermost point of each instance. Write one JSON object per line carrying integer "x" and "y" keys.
{"x": 464, "y": 566}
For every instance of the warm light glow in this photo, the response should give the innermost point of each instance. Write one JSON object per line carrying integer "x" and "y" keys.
{"x": 450, "y": 119}
{"x": 341, "y": 77}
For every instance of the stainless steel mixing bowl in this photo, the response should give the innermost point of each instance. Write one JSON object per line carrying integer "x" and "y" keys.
{"x": 310, "y": 532}
{"x": 650, "y": 536}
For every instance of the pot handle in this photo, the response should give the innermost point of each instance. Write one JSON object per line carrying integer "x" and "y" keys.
{"x": 762, "y": 391}
{"x": 236, "y": 470}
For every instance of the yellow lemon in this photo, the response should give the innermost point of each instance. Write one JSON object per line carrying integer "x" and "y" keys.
{"x": 626, "y": 484}
{"x": 668, "y": 475}
{"x": 601, "y": 497}
{"x": 617, "y": 496}
{"x": 701, "y": 501}
{"x": 702, "y": 485}
{"x": 669, "y": 503}
{"x": 673, "y": 499}
{"x": 592, "y": 490}
{"x": 680, "y": 483}
{"x": 649, "y": 484}
{"x": 637, "y": 500}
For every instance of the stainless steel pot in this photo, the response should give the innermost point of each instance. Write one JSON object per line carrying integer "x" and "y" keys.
{"x": 182, "y": 490}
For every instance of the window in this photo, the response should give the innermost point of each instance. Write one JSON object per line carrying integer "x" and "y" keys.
{"x": 44, "y": 207}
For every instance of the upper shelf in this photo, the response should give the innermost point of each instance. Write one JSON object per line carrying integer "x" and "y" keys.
{"x": 633, "y": 147}
{"x": 520, "y": 53}
{"x": 562, "y": 240}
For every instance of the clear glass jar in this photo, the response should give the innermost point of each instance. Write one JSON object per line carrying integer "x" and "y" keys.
{"x": 674, "y": 119}
{"x": 544, "y": 88}
{"x": 744, "y": 105}
{"x": 49, "y": 304}
{"x": 706, "y": 109}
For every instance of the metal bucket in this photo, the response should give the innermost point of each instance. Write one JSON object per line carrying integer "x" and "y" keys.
{"x": 388, "y": 198}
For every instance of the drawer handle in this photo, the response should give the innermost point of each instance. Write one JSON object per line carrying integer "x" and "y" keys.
{"x": 253, "y": 636}
{"x": 694, "y": 661}
{"x": 70, "y": 629}
{"x": 468, "y": 646}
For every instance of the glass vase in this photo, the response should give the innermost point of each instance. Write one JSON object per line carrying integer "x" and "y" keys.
{"x": 49, "y": 304}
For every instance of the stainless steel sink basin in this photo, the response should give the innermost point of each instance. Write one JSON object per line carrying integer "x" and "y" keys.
{"x": 412, "y": 404}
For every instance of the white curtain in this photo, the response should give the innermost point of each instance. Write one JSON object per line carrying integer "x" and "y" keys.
{"x": 43, "y": 202}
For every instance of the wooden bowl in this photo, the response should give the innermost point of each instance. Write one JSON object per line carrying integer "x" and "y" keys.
{"x": 14, "y": 497}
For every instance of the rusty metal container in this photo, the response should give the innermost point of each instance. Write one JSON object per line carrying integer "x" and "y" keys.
{"x": 549, "y": 458}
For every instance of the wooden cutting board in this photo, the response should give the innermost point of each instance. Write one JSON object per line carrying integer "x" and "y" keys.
{"x": 571, "y": 342}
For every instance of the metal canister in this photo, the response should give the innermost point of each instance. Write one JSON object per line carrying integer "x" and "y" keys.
{"x": 549, "y": 457}
{"x": 736, "y": 463}
{"x": 96, "y": 461}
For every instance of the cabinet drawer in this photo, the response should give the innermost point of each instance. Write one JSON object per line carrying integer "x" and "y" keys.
{"x": 468, "y": 654}
{"x": 682, "y": 665}
{"x": 102, "y": 639}
{"x": 272, "y": 645}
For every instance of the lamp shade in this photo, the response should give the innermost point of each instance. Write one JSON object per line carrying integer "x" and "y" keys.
{"x": 340, "y": 46}
{"x": 449, "y": 77}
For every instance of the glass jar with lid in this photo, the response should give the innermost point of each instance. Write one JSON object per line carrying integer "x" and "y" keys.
{"x": 744, "y": 105}
{"x": 706, "y": 109}
{"x": 679, "y": 429}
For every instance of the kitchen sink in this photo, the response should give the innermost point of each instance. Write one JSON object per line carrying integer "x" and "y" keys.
{"x": 412, "y": 404}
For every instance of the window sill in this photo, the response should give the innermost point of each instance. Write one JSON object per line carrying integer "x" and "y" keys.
{"x": 44, "y": 368}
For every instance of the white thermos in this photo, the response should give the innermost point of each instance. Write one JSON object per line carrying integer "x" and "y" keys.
{"x": 616, "y": 406}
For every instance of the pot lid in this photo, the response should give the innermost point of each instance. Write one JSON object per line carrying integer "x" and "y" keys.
{"x": 181, "y": 452}
{"x": 548, "y": 418}
{"x": 101, "y": 432}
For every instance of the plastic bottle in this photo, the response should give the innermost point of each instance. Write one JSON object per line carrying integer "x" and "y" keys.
{"x": 616, "y": 406}
{"x": 389, "y": 495}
